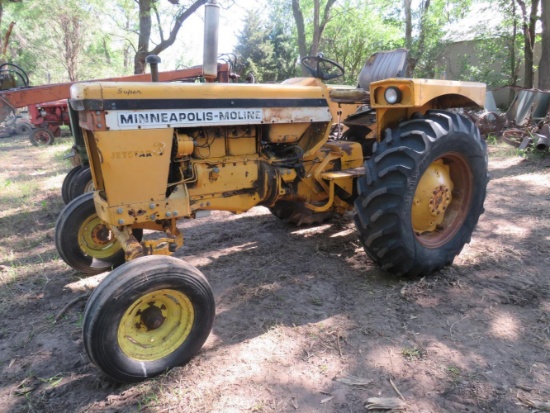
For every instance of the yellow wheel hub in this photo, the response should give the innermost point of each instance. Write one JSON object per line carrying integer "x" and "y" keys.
{"x": 432, "y": 198}
{"x": 155, "y": 325}
{"x": 96, "y": 240}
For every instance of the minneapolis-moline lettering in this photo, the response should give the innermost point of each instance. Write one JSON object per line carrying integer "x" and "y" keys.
{"x": 241, "y": 115}
{"x": 159, "y": 118}
{"x": 164, "y": 117}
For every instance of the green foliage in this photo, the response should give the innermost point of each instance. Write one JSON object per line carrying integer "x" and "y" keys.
{"x": 267, "y": 50}
{"x": 356, "y": 31}
{"x": 499, "y": 42}
{"x": 431, "y": 25}
{"x": 285, "y": 49}
{"x": 254, "y": 46}
{"x": 59, "y": 40}
{"x": 63, "y": 40}
{"x": 495, "y": 72}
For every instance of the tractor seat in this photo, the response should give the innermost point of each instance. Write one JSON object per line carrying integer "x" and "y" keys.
{"x": 379, "y": 66}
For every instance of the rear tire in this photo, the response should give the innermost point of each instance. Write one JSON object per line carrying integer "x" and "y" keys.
{"x": 23, "y": 128}
{"x": 65, "y": 187}
{"x": 296, "y": 213}
{"x": 41, "y": 137}
{"x": 84, "y": 242}
{"x": 408, "y": 224}
{"x": 147, "y": 316}
{"x": 81, "y": 183}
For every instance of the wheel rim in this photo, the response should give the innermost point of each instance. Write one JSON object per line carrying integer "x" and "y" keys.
{"x": 89, "y": 187}
{"x": 42, "y": 137}
{"x": 155, "y": 325}
{"x": 96, "y": 240}
{"x": 441, "y": 201}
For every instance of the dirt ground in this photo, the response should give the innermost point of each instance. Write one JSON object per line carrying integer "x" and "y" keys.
{"x": 305, "y": 321}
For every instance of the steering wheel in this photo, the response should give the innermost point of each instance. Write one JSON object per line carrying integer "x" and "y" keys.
{"x": 321, "y": 68}
{"x": 10, "y": 68}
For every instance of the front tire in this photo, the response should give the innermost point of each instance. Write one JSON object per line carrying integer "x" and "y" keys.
{"x": 147, "y": 316}
{"x": 422, "y": 193}
{"x": 83, "y": 240}
{"x": 41, "y": 137}
{"x": 67, "y": 182}
{"x": 81, "y": 183}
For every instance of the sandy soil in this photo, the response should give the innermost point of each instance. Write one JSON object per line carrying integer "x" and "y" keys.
{"x": 305, "y": 321}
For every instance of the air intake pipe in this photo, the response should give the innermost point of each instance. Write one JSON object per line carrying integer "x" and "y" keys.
{"x": 153, "y": 61}
{"x": 211, "y": 29}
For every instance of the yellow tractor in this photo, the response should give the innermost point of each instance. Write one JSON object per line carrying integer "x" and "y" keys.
{"x": 414, "y": 171}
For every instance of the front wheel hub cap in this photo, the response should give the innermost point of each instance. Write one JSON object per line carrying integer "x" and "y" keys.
{"x": 156, "y": 325}
{"x": 432, "y": 198}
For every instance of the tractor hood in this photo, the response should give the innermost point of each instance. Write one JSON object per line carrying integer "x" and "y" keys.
{"x": 161, "y": 105}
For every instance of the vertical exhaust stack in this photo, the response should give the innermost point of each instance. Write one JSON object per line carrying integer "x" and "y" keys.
{"x": 211, "y": 29}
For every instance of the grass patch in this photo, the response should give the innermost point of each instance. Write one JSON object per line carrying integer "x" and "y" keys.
{"x": 497, "y": 148}
{"x": 454, "y": 373}
{"x": 30, "y": 201}
{"x": 413, "y": 353}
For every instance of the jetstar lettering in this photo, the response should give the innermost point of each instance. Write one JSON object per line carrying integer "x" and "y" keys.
{"x": 131, "y": 154}
{"x": 158, "y": 150}
{"x": 176, "y": 118}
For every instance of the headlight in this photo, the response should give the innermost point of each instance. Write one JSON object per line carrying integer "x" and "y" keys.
{"x": 393, "y": 95}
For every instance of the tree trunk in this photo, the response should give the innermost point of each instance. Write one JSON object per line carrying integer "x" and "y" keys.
{"x": 314, "y": 49}
{"x": 408, "y": 23}
{"x": 106, "y": 51}
{"x": 544, "y": 65}
{"x": 411, "y": 62}
{"x": 529, "y": 37}
{"x": 7, "y": 39}
{"x": 415, "y": 55}
{"x": 144, "y": 36}
{"x": 319, "y": 24}
{"x": 71, "y": 28}
{"x": 512, "y": 47}
{"x": 300, "y": 27}
{"x": 528, "y": 54}
{"x": 145, "y": 7}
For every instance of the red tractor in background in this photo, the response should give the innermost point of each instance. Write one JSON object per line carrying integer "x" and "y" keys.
{"x": 41, "y": 122}
{"x": 46, "y": 119}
